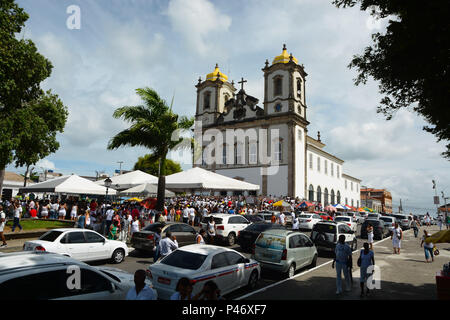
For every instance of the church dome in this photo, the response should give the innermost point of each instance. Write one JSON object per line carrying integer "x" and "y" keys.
{"x": 215, "y": 74}
{"x": 284, "y": 57}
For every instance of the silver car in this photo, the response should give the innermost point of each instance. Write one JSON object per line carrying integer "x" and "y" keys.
{"x": 284, "y": 251}
{"x": 403, "y": 221}
{"x": 389, "y": 222}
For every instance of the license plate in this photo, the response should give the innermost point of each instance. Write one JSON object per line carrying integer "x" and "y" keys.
{"x": 163, "y": 280}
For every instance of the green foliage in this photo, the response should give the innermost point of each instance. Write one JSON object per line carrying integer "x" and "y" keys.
{"x": 150, "y": 164}
{"x": 410, "y": 61}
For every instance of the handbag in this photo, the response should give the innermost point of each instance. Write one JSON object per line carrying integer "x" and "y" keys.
{"x": 435, "y": 251}
{"x": 358, "y": 263}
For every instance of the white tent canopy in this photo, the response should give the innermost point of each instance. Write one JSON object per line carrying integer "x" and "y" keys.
{"x": 146, "y": 189}
{"x": 129, "y": 180}
{"x": 72, "y": 184}
{"x": 201, "y": 179}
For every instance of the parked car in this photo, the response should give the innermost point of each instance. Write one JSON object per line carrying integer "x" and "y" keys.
{"x": 144, "y": 240}
{"x": 389, "y": 223}
{"x": 325, "y": 235}
{"x": 373, "y": 216}
{"x": 284, "y": 251}
{"x": 359, "y": 218}
{"x": 247, "y": 237}
{"x": 403, "y": 221}
{"x": 325, "y": 216}
{"x": 37, "y": 275}
{"x": 267, "y": 215}
{"x": 80, "y": 244}
{"x": 350, "y": 221}
{"x": 308, "y": 220}
{"x": 227, "y": 226}
{"x": 253, "y": 218}
{"x": 380, "y": 231}
{"x": 229, "y": 269}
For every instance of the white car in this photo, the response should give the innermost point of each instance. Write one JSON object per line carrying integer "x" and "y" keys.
{"x": 227, "y": 226}
{"x": 80, "y": 244}
{"x": 350, "y": 221}
{"x": 229, "y": 269}
{"x": 34, "y": 275}
{"x": 308, "y": 220}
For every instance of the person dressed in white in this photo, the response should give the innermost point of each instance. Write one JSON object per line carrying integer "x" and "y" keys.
{"x": 73, "y": 213}
{"x": 191, "y": 216}
{"x": 200, "y": 239}
{"x": 282, "y": 219}
{"x": 168, "y": 244}
{"x": 397, "y": 235}
{"x": 141, "y": 291}
{"x": 186, "y": 215}
{"x": 44, "y": 211}
{"x": 295, "y": 224}
{"x": 135, "y": 226}
{"x": 62, "y": 211}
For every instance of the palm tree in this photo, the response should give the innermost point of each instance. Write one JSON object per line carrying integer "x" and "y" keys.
{"x": 152, "y": 126}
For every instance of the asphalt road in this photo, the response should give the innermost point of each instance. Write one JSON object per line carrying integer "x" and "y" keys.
{"x": 139, "y": 260}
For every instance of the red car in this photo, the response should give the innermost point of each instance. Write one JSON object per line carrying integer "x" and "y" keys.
{"x": 325, "y": 216}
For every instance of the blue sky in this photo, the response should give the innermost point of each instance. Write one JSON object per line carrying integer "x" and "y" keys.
{"x": 128, "y": 44}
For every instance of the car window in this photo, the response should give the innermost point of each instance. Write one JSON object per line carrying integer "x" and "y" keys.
{"x": 341, "y": 229}
{"x": 306, "y": 241}
{"x": 233, "y": 220}
{"x": 234, "y": 258}
{"x": 326, "y": 228}
{"x": 153, "y": 227}
{"x": 92, "y": 282}
{"x": 50, "y": 236}
{"x": 346, "y": 229}
{"x": 295, "y": 242}
{"x": 174, "y": 228}
{"x": 259, "y": 227}
{"x": 92, "y": 237}
{"x": 219, "y": 261}
{"x": 75, "y": 237}
{"x": 186, "y": 228}
{"x": 241, "y": 220}
{"x": 316, "y": 216}
{"x": 184, "y": 260}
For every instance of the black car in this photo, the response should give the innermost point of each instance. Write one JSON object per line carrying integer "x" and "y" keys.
{"x": 144, "y": 240}
{"x": 248, "y": 236}
{"x": 253, "y": 218}
{"x": 380, "y": 231}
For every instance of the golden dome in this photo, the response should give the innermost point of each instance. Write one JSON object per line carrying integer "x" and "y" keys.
{"x": 284, "y": 57}
{"x": 216, "y": 74}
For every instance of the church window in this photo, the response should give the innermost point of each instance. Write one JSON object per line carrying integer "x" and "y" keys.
{"x": 338, "y": 197}
{"x": 278, "y": 86}
{"x": 207, "y": 100}
{"x": 318, "y": 164}
{"x": 311, "y": 193}
{"x": 346, "y": 201}
{"x": 319, "y": 194}
{"x": 299, "y": 87}
{"x": 332, "y": 169}
{"x": 310, "y": 161}
{"x": 300, "y": 135}
{"x": 352, "y": 202}
{"x": 325, "y": 200}
{"x": 346, "y": 184}
{"x": 238, "y": 153}
{"x": 337, "y": 167}
{"x": 252, "y": 154}
{"x": 351, "y": 186}
{"x": 326, "y": 166}
{"x": 278, "y": 151}
{"x": 278, "y": 107}
{"x": 224, "y": 154}
{"x": 332, "y": 197}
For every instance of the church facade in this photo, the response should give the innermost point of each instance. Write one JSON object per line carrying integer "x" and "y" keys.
{"x": 269, "y": 145}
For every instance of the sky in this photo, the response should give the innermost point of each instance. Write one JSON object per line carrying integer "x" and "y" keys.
{"x": 167, "y": 45}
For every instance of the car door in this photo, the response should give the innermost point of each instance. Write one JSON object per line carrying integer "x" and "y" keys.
{"x": 310, "y": 249}
{"x": 296, "y": 250}
{"x": 74, "y": 243}
{"x": 98, "y": 246}
{"x": 241, "y": 223}
{"x": 238, "y": 278}
{"x": 223, "y": 272}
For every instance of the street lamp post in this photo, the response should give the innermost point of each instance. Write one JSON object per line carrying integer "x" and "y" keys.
{"x": 108, "y": 183}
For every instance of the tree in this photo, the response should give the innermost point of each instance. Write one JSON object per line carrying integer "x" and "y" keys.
{"x": 150, "y": 164}
{"x": 24, "y": 108}
{"x": 411, "y": 60}
{"x": 153, "y": 125}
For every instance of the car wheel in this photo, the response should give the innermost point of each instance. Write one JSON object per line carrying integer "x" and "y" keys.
{"x": 252, "y": 282}
{"x": 118, "y": 256}
{"x": 291, "y": 271}
{"x": 314, "y": 262}
{"x": 231, "y": 239}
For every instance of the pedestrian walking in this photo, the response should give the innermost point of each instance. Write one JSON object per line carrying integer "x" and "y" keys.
{"x": 428, "y": 247}
{"x": 192, "y": 216}
{"x": 186, "y": 215}
{"x": 366, "y": 259}
{"x": 2, "y": 227}
{"x": 88, "y": 224}
{"x": 183, "y": 290}
{"x": 415, "y": 226}
{"x": 295, "y": 224}
{"x": 273, "y": 219}
{"x": 113, "y": 231}
{"x": 17, "y": 215}
{"x": 397, "y": 236}
{"x": 44, "y": 211}
{"x": 135, "y": 226}
{"x": 109, "y": 217}
{"x": 342, "y": 255}
{"x": 440, "y": 221}
{"x": 282, "y": 219}
{"x": 370, "y": 235}
{"x": 141, "y": 291}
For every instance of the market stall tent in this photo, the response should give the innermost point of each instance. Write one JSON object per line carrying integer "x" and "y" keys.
{"x": 129, "y": 180}
{"x": 201, "y": 179}
{"x": 72, "y": 184}
{"x": 146, "y": 189}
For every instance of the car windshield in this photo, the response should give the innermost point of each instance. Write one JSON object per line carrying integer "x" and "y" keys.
{"x": 50, "y": 236}
{"x": 184, "y": 260}
{"x": 270, "y": 241}
{"x": 153, "y": 227}
{"x": 305, "y": 216}
{"x": 387, "y": 219}
{"x": 216, "y": 220}
{"x": 373, "y": 215}
{"x": 372, "y": 222}
{"x": 342, "y": 219}
{"x": 326, "y": 228}
{"x": 258, "y": 227}
{"x": 401, "y": 217}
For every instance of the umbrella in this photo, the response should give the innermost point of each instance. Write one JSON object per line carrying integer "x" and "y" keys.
{"x": 367, "y": 209}
{"x": 134, "y": 199}
{"x": 339, "y": 206}
{"x": 305, "y": 204}
{"x": 281, "y": 203}
{"x": 361, "y": 210}
{"x": 330, "y": 208}
{"x": 442, "y": 236}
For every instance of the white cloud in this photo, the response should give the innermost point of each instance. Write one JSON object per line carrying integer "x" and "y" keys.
{"x": 46, "y": 164}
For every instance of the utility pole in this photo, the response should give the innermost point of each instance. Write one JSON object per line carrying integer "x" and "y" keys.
{"x": 445, "y": 203}
{"x": 120, "y": 168}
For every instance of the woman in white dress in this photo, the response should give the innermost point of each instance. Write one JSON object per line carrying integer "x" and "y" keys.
{"x": 200, "y": 239}
{"x": 73, "y": 213}
{"x": 62, "y": 211}
{"x": 370, "y": 236}
{"x": 135, "y": 226}
{"x": 44, "y": 211}
{"x": 397, "y": 235}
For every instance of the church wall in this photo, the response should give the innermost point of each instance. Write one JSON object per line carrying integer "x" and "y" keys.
{"x": 224, "y": 90}
{"x": 251, "y": 175}
{"x": 300, "y": 162}
{"x": 277, "y": 184}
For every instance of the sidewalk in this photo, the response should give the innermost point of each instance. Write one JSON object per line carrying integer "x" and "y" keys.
{"x": 404, "y": 276}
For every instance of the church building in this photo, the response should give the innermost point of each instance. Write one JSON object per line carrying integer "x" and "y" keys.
{"x": 269, "y": 145}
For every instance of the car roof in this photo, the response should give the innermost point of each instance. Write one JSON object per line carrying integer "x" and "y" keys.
{"x": 15, "y": 261}
{"x": 205, "y": 249}
{"x": 280, "y": 232}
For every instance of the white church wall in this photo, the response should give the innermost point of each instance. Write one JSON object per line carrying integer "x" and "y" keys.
{"x": 277, "y": 184}
{"x": 251, "y": 175}
{"x": 300, "y": 162}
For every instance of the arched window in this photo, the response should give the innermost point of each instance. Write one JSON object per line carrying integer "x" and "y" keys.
{"x": 207, "y": 100}
{"x": 325, "y": 200}
{"x": 352, "y": 202}
{"x": 346, "y": 201}
{"x": 299, "y": 87}
{"x": 332, "y": 197}
{"x": 319, "y": 194}
{"x": 311, "y": 193}
{"x": 339, "y": 197}
{"x": 278, "y": 86}
{"x": 332, "y": 169}
{"x": 238, "y": 159}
